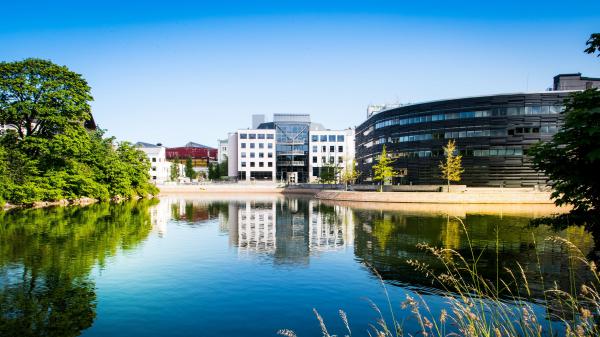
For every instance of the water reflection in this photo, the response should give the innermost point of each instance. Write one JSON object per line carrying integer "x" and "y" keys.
{"x": 291, "y": 230}
{"x": 46, "y": 256}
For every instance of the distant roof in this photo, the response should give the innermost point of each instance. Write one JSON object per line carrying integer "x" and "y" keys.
{"x": 143, "y": 144}
{"x": 192, "y": 144}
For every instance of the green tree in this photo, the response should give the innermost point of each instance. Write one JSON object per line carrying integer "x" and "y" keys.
{"x": 571, "y": 160}
{"x": 41, "y": 98}
{"x": 350, "y": 174}
{"x": 174, "y": 170}
{"x": 49, "y": 154}
{"x": 451, "y": 167}
{"x": 328, "y": 173}
{"x": 593, "y": 44}
{"x": 383, "y": 171}
{"x": 189, "y": 169}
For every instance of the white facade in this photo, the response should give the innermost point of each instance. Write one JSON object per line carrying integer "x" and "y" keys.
{"x": 160, "y": 168}
{"x": 222, "y": 149}
{"x": 232, "y": 155}
{"x": 330, "y": 147}
{"x": 255, "y": 157}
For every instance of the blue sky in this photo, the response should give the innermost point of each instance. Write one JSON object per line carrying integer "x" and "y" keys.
{"x": 173, "y": 71}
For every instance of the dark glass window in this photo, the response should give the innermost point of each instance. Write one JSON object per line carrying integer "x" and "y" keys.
{"x": 314, "y": 159}
{"x": 243, "y": 145}
{"x": 270, "y": 136}
{"x": 261, "y": 136}
{"x": 323, "y": 138}
{"x": 314, "y": 138}
{"x": 332, "y": 148}
{"x": 252, "y": 135}
{"x": 340, "y": 138}
{"x": 340, "y": 148}
{"x": 332, "y": 138}
{"x": 243, "y": 136}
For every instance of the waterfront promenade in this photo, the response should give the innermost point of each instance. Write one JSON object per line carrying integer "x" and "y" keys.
{"x": 460, "y": 196}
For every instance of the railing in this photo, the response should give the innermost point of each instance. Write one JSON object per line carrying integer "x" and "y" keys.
{"x": 290, "y": 163}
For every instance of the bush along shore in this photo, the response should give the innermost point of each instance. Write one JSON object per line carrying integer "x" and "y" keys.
{"x": 51, "y": 152}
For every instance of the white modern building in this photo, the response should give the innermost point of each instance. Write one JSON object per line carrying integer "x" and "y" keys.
{"x": 290, "y": 148}
{"x": 330, "y": 148}
{"x": 254, "y": 153}
{"x": 160, "y": 168}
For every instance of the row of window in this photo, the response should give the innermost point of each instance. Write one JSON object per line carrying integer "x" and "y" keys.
{"x": 315, "y": 148}
{"x": 516, "y": 111}
{"x": 260, "y": 164}
{"x": 327, "y": 138}
{"x": 260, "y": 155}
{"x": 256, "y": 136}
{"x": 491, "y": 152}
{"x": 545, "y": 128}
{"x": 260, "y": 145}
{"x": 324, "y": 160}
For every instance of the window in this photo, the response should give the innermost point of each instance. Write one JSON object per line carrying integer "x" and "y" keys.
{"x": 154, "y": 177}
{"x": 261, "y": 164}
{"x": 270, "y": 145}
{"x": 252, "y": 135}
{"x": 314, "y": 160}
{"x": 323, "y": 159}
{"x": 243, "y": 164}
{"x": 243, "y": 154}
{"x": 243, "y": 136}
{"x": 270, "y": 136}
{"x": 252, "y": 155}
{"x": 340, "y": 159}
{"x": 270, "y": 164}
{"x": 323, "y": 138}
{"x": 270, "y": 155}
{"x": 154, "y": 159}
{"x": 314, "y": 138}
{"x": 252, "y": 164}
{"x": 323, "y": 148}
{"x": 261, "y": 145}
{"x": 315, "y": 148}
{"x": 154, "y": 169}
{"x": 331, "y": 160}
{"x": 340, "y": 138}
{"x": 332, "y": 148}
{"x": 340, "y": 148}
{"x": 243, "y": 145}
{"x": 332, "y": 138}
{"x": 261, "y": 136}
{"x": 252, "y": 145}
{"x": 261, "y": 155}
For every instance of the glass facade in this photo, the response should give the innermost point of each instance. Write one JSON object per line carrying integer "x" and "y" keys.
{"x": 492, "y": 133}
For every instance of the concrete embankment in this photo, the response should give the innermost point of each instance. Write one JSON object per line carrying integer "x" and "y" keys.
{"x": 487, "y": 196}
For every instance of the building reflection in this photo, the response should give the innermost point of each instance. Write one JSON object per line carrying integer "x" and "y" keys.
{"x": 288, "y": 230}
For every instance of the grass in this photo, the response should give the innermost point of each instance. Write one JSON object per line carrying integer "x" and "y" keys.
{"x": 477, "y": 306}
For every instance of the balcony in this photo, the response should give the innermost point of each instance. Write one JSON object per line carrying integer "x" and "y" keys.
{"x": 290, "y": 163}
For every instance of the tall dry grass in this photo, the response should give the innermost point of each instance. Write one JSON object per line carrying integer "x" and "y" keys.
{"x": 477, "y": 306}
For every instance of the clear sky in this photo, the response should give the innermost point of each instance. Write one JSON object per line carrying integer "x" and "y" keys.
{"x": 174, "y": 72}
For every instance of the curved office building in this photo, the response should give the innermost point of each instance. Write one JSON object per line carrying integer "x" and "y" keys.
{"x": 492, "y": 133}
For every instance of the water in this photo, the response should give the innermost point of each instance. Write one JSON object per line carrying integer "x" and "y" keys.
{"x": 211, "y": 267}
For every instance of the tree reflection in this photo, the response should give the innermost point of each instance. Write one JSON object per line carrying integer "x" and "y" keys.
{"x": 46, "y": 256}
{"x": 387, "y": 239}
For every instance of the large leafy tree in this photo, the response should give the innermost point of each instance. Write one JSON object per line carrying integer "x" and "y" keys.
{"x": 48, "y": 154}
{"x": 451, "y": 167}
{"x": 571, "y": 160}
{"x": 350, "y": 173}
{"x": 41, "y": 98}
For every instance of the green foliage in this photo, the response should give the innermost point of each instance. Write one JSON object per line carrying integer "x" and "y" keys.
{"x": 50, "y": 155}
{"x": 41, "y": 98}
{"x": 174, "y": 170}
{"x": 189, "y": 169}
{"x": 383, "y": 170}
{"x": 350, "y": 173}
{"x": 571, "y": 160}
{"x": 593, "y": 44}
{"x": 451, "y": 168}
{"x": 328, "y": 173}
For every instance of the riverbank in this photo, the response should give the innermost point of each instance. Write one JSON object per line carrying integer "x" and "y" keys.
{"x": 463, "y": 196}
